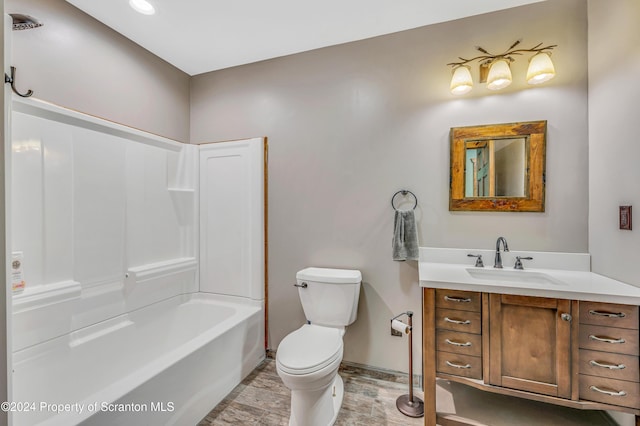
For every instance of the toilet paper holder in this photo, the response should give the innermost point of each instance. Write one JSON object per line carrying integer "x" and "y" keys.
{"x": 409, "y": 405}
{"x": 398, "y": 328}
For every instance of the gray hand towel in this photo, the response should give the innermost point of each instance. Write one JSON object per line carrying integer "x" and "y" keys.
{"x": 405, "y": 236}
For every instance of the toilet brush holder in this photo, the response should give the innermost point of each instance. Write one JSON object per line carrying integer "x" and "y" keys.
{"x": 409, "y": 405}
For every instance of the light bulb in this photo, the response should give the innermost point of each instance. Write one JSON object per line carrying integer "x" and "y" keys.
{"x": 142, "y": 6}
{"x": 461, "y": 81}
{"x": 540, "y": 69}
{"x": 499, "y": 75}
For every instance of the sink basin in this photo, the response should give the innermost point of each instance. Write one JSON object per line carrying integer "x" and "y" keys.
{"x": 513, "y": 276}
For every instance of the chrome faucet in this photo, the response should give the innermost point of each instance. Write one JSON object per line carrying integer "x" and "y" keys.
{"x": 505, "y": 246}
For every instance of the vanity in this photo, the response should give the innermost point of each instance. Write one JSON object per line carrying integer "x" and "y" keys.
{"x": 552, "y": 332}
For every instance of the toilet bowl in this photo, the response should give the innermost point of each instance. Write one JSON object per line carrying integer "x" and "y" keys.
{"x": 307, "y": 360}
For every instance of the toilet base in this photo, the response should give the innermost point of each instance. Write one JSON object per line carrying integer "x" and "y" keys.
{"x": 317, "y": 414}
{"x": 337, "y": 399}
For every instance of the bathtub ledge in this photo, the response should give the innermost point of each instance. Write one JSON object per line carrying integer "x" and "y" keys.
{"x": 93, "y": 332}
{"x": 150, "y": 271}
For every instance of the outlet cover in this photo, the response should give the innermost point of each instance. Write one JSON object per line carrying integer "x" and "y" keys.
{"x": 625, "y": 217}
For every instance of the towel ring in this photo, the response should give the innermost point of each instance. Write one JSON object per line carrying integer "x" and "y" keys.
{"x": 404, "y": 192}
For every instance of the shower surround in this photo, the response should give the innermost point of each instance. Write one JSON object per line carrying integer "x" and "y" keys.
{"x": 134, "y": 293}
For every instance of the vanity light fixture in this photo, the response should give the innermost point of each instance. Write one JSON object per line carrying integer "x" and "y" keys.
{"x": 461, "y": 81}
{"x": 495, "y": 70}
{"x": 499, "y": 75}
{"x": 541, "y": 69}
{"x": 142, "y": 6}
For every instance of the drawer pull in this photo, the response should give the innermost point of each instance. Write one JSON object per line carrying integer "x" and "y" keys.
{"x": 450, "y": 364}
{"x": 454, "y": 321}
{"x": 606, "y": 392}
{"x": 451, "y": 342}
{"x": 609, "y": 366}
{"x": 606, "y": 339}
{"x": 457, "y": 299}
{"x": 607, "y": 314}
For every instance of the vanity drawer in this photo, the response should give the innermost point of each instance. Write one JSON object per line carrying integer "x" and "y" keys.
{"x": 610, "y": 391}
{"x": 609, "y": 315}
{"x": 458, "y": 342}
{"x": 611, "y": 365}
{"x": 465, "y": 321}
{"x": 459, "y": 365}
{"x": 609, "y": 339}
{"x": 458, "y": 299}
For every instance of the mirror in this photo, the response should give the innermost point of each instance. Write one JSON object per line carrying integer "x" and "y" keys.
{"x": 495, "y": 168}
{"x": 498, "y": 167}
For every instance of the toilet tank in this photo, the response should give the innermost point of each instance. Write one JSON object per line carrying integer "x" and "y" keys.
{"x": 330, "y": 297}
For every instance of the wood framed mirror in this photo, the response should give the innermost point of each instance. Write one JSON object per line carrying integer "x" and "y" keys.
{"x": 498, "y": 167}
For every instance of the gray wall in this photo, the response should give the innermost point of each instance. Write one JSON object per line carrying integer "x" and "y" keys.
{"x": 350, "y": 125}
{"x": 614, "y": 151}
{"x": 614, "y": 175}
{"x": 76, "y": 62}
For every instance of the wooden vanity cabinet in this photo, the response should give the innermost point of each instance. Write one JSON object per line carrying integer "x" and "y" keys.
{"x": 582, "y": 355}
{"x": 530, "y": 344}
{"x": 458, "y": 333}
{"x": 608, "y": 343}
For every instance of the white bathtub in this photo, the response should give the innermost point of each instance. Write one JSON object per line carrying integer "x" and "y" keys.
{"x": 169, "y": 363}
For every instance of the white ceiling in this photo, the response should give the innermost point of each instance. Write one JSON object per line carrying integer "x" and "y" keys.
{"x": 198, "y": 36}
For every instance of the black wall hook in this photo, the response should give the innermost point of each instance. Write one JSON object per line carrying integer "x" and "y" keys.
{"x": 12, "y": 80}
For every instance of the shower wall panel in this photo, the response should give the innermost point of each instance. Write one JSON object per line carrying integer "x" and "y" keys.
{"x": 103, "y": 219}
{"x": 232, "y": 249}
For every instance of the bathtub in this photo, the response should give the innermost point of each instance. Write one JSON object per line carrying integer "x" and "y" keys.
{"x": 168, "y": 363}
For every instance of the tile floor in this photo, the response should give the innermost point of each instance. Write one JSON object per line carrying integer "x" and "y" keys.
{"x": 370, "y": 399}
{"x": 262, "y": 399}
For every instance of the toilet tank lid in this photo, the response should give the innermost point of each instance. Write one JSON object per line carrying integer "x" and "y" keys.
{"x": 326, "y": 275}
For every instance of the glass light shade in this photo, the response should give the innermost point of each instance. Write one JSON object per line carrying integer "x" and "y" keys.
{"x": 540, "y": 69}
{"x": 142, "y": 6}
{"x": 499, "y": 75}
{"x": 461, "y": 81}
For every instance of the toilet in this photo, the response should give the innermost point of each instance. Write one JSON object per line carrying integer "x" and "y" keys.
{"x": 307, "y": 359}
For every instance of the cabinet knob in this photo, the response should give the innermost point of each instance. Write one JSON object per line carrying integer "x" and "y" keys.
{"x": 566, "y": 317}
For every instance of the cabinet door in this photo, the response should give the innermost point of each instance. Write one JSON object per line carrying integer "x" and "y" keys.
{"x": 530, "y": 344}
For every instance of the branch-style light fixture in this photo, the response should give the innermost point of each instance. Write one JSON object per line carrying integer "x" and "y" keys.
{"x": 495, "y": 70}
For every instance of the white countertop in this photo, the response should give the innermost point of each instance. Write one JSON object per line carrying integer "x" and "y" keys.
{"x": 452, "y": 269}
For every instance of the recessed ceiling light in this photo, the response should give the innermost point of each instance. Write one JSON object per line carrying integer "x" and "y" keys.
{"x": 142, "y": 6}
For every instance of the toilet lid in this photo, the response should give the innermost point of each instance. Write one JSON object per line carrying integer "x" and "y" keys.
{"x": 309, "y": 349}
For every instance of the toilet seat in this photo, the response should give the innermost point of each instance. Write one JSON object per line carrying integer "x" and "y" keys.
{"x": 309, "y": 349}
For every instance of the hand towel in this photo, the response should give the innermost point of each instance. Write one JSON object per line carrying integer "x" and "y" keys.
{"x": 405, "y": 236}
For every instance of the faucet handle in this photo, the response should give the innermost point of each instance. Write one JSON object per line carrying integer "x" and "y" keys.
{"x": 519, "y": 260}
{"x": 479, "y": 263}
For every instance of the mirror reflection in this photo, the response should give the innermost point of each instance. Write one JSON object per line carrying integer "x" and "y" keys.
{"x": 496, "y": 167}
